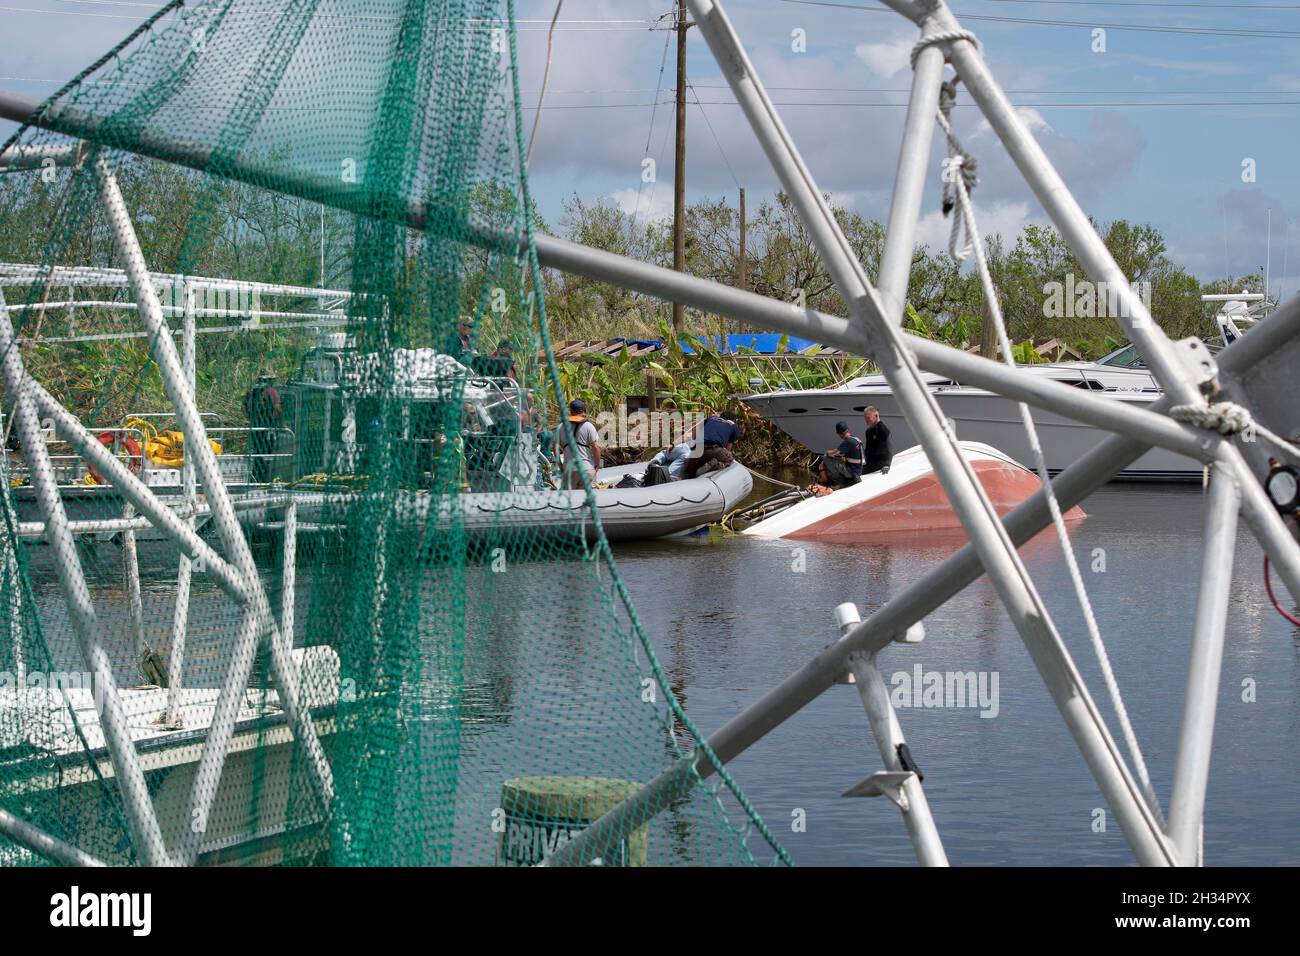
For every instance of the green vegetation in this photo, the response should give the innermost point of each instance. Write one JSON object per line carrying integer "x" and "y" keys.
{"x": 263, "y": 236}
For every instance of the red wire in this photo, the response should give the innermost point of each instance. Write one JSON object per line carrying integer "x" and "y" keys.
{"x": 1268, "y": 586}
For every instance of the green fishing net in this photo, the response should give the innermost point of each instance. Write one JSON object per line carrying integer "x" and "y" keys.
{"x": 331, "y": 206}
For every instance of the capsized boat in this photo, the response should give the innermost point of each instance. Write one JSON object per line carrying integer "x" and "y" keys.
{"x": 906, "y": 499}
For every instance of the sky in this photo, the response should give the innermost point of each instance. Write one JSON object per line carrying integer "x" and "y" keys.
{"x": 1151, "y": 124}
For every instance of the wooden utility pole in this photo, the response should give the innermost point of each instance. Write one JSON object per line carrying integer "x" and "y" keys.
{"x": 988, "y": 335}
{"x": 742, "y": 276}
{"x": 679, "y": 166}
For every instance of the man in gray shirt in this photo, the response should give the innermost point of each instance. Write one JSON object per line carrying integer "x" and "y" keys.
{"x": 587, "y": 440}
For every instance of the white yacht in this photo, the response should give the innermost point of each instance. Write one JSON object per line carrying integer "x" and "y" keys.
{"x": 809, "y": 416}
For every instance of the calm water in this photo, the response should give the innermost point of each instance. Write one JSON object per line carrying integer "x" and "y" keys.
{"x": 731, "y": 617}
{"x": 1011, "y": 789}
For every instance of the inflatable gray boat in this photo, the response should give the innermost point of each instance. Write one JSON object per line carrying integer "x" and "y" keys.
{"x": 659, "y": 511}
{"x": 626, "y": 514}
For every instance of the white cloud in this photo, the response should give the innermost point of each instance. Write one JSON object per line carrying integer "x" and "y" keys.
{"x": 1028, "y": 115}
{"x": 654, "y": 205}
{"x": 886, "y": 59}
{"x": 1003, "y": 218}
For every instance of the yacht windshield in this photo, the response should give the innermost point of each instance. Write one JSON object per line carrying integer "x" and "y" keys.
{"x": 1126, "y": 357}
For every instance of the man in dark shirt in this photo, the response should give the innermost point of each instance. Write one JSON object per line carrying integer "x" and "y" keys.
{"x": 265, "y": 413}
{"x": 877, "y": 453}
{"x": 718, "y": 436}
{"x": 849, "y": 450}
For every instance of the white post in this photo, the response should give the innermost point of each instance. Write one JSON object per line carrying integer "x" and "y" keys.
{"x": 13, "y": 587}
{"x": 131, "y": 565}
{"x": 889, "y": 737}
{"x": 12, "y": 575}
{"x": 909, "y": 183}
{"x": 1192, "y": 766}
{"x": 289, "y": 570}
{"x": 180, "y": 615}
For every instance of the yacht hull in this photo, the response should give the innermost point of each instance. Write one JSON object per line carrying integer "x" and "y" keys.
{"x": 979, "y": 416}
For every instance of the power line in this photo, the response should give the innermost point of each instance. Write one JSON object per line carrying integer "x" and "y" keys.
{"x": 897, "y": 91}
{"x": 1085, "y": 24}
{"x": 663, "y": 62}
{"x": 716, "y": 141}
{"x": 375, "y": 17}
{"x": 1160, "y": 3}
{"x": 1098, "y": 104}
{"x": 155, "y": 6}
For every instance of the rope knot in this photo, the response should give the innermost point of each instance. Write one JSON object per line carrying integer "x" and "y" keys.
{"x": 942, "y": 37}
{"x": 959, "y": 175}
{"x": 1226, "y": 418}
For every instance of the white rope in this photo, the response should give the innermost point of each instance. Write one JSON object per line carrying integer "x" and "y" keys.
{"x": 1229, "y": 418}
{"x": 962, "y": 193}
{"x": 546, "y": 75}
{"x": 961, "y": 166}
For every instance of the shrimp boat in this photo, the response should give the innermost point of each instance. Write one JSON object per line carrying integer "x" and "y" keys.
{"x": 69, "y": 757}
{"x": 316, "y": 456}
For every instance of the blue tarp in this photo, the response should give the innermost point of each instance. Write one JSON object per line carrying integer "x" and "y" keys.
{"x": 764, "y": 343}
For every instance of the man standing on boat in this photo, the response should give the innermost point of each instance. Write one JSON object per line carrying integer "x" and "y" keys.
{"x": 876, "y": 451}
{"x": 587, "y": 440}
{"x": 263, "y": 407}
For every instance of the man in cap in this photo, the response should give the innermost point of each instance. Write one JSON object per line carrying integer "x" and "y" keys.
{"x": 587, "y": 454}
{"x": 849, "y": 450}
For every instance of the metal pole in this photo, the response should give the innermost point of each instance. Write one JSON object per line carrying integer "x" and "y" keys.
{"x": 889, "y": 737}
{"x": 131, "y": 565}
{"x": 12, "y": 573}
{"x": 1192, "y": 766}
{"x": 146, "y": 835}
{"x": 288, "y": 572}
{"x": 964, "y": 492}
{"x": 909, "y": 183}
{"x": 258, "y": 622}
{"x": 679, "y": 166}
{"x": 36, "y": 529}
{"x": 181, "y": 612}
{"x": 1065, "y": 212}
{"x": 742, "y": 264}
{"x": 46, "y": 844}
